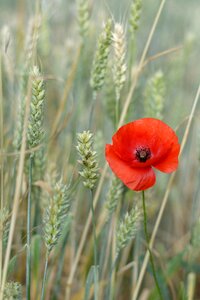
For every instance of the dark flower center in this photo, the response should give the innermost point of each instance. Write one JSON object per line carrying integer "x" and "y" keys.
{"x": 142, "y": 154}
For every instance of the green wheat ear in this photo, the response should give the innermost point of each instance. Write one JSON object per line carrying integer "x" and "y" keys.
{"x": 35, "y": 132}
{"x": 83, "y": 17}
{"x": 35, "y": 135}
{"x": 100, "y": 61}
{"x": 127, "y": 229}
{"x": 12, "y": 291}
{"x": 135, "y": 13}
{"x": 154, "y": 96}
{"x": 88, "y": 160}
{"x": 55, "y": 214}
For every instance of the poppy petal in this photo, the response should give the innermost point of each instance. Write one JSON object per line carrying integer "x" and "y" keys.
{"x": 148, "y": 133}
{"x": 169, "y": 163}
{"x": 136, "y": 179}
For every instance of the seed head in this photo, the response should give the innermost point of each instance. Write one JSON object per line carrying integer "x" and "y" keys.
{"x": 135, "y": 14}
{"x": 127, "y": 228}
{"x": 35, "y": 128}
{"x": 88, "y": 159}
{"x": 101, "y": 58}
{"x": 55, "y": 214}
{"x": 12, "y": 291}
{"x": 83, "y": 17}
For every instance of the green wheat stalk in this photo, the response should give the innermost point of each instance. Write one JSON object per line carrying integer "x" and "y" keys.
{"x": 89, "y": 173}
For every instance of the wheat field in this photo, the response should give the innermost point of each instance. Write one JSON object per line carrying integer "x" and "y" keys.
{"x": 71, "y": 74}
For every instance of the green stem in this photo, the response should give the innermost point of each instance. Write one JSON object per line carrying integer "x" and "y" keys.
{"x": 57, "y": 284}
{"x": 94, "y": 100}
{"x": 117, "y": 111}
{"x": 112, "y": 278}
{"x": 132, "y": 51}
{"x": 37, "y": 213}
{"x": 95, "y": 246}
{"x": 28, "y": 248}
{"x": 44, "y": 276}
{"x": 2, "y": 168}
{"x": 147, "y": 241}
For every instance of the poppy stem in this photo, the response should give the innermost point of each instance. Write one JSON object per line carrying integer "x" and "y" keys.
{"x": 96, "y": 275}
{"x": 147, "y": 241}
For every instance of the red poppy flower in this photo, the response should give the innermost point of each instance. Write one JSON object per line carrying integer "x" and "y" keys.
{"x": 137, "y": 147}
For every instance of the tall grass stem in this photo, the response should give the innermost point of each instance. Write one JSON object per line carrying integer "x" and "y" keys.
{"x": 94, "y": 100}
{"x": 28, "y": 229}
{"x": 2, "y": 167}
{"x": 114, "y": 259}
{"x": 112, "y": 278}
{"x": 44, "y": 276}
{"x": 95, "y": 246}
{"x": 117, "y": 111}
